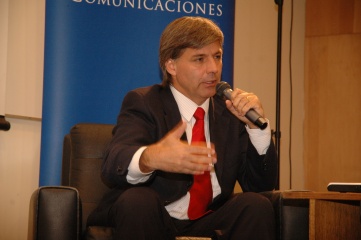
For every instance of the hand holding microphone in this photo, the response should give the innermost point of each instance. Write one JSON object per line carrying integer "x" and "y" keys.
{"x": 224, "y": 90}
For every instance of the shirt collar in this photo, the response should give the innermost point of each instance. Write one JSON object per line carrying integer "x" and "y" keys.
{"x": 186, "y": 106}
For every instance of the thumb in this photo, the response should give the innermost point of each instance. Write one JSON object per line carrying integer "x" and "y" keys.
{"x": 179, "y": 129}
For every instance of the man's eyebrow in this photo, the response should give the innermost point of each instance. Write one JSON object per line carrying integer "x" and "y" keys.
{"x": 199, "y": 55}
{"x": 205, "y": 54}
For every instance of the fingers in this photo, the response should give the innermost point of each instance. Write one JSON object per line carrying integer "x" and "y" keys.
{"x": 197, "y": 165}
{"x": 183, "y": 158}
{"x": 172, "y": 155}
{"x": 189, "y": 159}
{"x": 198, "y": 148}
{"x": 203, "y": 156}
{"x": 242, "y": 102}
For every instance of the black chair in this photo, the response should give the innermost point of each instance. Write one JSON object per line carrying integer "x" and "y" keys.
{"x": 60, "y": 212}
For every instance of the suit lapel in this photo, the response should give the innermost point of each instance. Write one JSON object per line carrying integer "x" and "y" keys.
{"x": 218, "y": 125}
{"x": 171, "y": 116}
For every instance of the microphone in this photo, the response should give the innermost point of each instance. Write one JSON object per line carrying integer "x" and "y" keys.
{"x": 224, "y": 90}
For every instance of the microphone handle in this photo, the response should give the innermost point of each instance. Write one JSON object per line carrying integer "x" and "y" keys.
{"x": 254, "y": 117}
{"x": 251, "y": 115}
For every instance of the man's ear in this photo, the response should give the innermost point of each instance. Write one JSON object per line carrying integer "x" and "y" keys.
{"x": 170, "y": 67}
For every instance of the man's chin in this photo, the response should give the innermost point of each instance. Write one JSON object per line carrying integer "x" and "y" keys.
{"x": 210, "y": 94}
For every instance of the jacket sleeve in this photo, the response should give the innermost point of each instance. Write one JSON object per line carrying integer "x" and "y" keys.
{"x": 259, "y": 172}
{"x": 133, "y": 130}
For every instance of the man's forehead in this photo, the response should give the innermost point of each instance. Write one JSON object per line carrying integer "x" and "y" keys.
{"x": 212, "y": 48}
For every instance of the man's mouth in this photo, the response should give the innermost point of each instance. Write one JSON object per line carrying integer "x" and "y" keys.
{"x": 211, "y": 83}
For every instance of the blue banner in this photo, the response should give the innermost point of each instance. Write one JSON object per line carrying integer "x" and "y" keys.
{"x": 98, "y": 50}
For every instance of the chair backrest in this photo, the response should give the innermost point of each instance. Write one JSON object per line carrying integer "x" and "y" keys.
{"x": 83, "y": 151}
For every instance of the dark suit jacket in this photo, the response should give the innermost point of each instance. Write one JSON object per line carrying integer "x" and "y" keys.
{"x": 147, "y": 114}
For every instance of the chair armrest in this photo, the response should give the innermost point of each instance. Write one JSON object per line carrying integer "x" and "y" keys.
{"x": 55, "y": 214}
{"x": 291, "y": 216}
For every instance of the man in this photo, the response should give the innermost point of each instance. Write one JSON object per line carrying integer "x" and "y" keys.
{"x": 155, "y": 165}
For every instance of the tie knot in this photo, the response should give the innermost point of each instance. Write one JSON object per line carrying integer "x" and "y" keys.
{"x": 199, "y": 114}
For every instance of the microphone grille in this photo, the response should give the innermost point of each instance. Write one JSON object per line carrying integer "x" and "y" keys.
{"x": 221, "y": 86}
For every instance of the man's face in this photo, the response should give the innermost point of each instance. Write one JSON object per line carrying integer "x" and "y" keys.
{"x": 197, "y": 71}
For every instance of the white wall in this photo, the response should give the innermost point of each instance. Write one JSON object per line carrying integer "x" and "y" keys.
{"x": 25, "y": 50}
{"x": 21, "y": 72}
{"x": 255, "y": 71}
{"x": 19, "y": 171}
{"x": 21, "y": 66}
{"x": 4, "y": 6}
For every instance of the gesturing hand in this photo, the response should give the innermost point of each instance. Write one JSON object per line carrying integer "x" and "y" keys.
{"x": 170, "y": 154}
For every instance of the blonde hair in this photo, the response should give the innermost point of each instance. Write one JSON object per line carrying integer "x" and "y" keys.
{"x": 186, "y": 32}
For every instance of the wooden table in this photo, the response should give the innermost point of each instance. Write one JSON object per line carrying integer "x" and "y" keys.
{"x": 332, "y": 215}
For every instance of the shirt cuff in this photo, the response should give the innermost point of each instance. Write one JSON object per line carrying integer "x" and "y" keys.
{"x": 260, "y": 139}
{"x": 136, "y": 176}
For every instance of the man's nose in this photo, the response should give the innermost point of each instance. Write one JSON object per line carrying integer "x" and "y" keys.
{"x": 212, "y": 66}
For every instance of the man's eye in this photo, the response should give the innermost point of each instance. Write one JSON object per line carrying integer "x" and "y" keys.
{"x": 200, "y": 59}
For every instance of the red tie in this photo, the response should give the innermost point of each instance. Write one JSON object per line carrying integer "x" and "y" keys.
{"x": 201, "y": 190}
